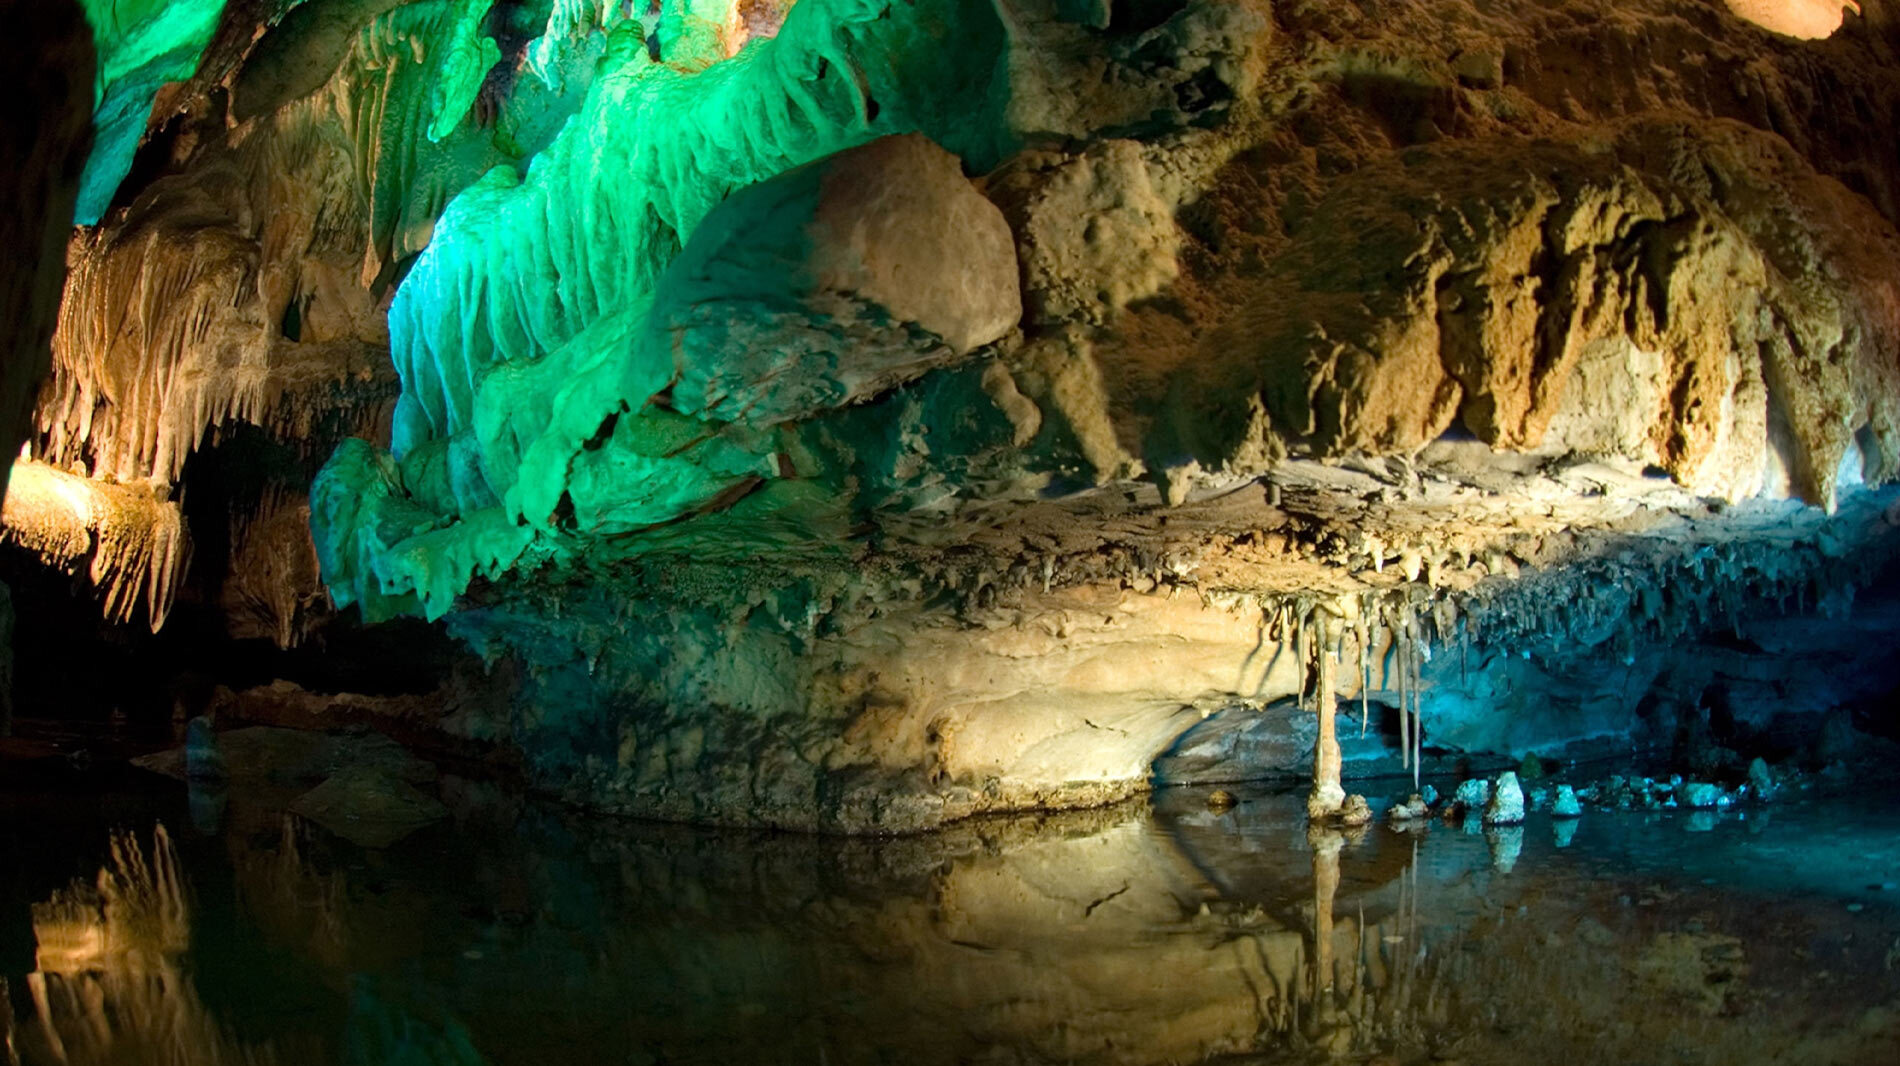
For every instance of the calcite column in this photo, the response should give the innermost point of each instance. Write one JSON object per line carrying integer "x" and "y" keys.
{"x": 1327, "y": 795}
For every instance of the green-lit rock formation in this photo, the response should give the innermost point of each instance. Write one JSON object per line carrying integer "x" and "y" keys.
{"x": 142, "y": 45}
{"x": 790, "y": 527}
{"x": 858, "y": 415}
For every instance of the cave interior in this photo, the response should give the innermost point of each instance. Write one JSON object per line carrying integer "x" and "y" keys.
{"x": 1044, "y": 531}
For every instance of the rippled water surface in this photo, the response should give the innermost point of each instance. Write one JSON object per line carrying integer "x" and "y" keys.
{"x": 138, "y": 927}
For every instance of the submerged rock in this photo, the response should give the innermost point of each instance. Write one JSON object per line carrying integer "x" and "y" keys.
{"x": 1414, "y": 809}
{"x": 369, "y": 805}
{"x": 1355, "y": 811}
{"x": 1506, "y": 806}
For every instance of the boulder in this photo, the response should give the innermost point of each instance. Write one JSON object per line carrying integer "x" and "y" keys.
{"x": 834, "y": 281}
{"x": 1700, "y": 795}
{"x": 1506, "y": 806}
{"x": 1472, "y": 794}
{"x": 1761, "y": 780}
{"x": 1412, "y": 810}
{"x": 369, "y": 805}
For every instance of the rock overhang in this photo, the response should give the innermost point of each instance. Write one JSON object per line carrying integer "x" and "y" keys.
{"x": 838, "y": 423}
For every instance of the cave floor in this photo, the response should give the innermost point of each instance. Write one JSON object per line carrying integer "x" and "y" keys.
{"x": 141, "y": 925}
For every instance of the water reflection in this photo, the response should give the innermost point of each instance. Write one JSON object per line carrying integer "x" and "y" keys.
{"x": 109, "y": 984}
{"x": 1131, "y": 936}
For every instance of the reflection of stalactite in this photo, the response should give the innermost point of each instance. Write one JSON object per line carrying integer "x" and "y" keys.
{"x": 110, "y": 987}
{"x": 295, "y": 902}
{"x": 7, "y": 1041}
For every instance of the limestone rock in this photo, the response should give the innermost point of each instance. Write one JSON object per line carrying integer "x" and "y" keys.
{"x": 1412, "y": 810}
{"x": 1552, "y": 332}
{"x": 1472, "y": 794}
{"x": 832, "y": 282}
{"x": 1566, "y": 804}
{"x": 1701, "y": 795}
{"x": 369, "y": 805}
{"x": 1094, "y": 233}
{"x": 1796, "y": 18}
{"x": 1761, "y": 780}
{"x": 1506, "y": 804}
{"x": 1355, "y": 811}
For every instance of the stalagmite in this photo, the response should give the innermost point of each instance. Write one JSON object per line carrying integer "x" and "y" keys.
{"x": 1327, "y": 795}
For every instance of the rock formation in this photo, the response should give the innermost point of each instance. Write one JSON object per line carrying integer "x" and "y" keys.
{"x": 45, "y": 148}
{"x": 857, "y": 416}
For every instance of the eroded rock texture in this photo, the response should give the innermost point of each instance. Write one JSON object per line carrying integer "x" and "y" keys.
{"x": 860, "y": 415}
{"x": 44, "y": 150}
{"x": 242, "y": 287}
{"x": 42, "y": 154}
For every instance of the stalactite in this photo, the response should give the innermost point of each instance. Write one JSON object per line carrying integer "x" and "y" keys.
{"x": 130, "y": 543}
{"x": 1362, "y": 629}
{"x": 1300, "y": 654}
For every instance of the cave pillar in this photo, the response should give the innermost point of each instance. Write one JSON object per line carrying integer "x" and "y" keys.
{"x": 1327, "y": 796}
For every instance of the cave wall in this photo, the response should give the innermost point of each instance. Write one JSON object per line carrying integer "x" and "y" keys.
{"x": 43, "y": 150}
{"x": 850, "y": 415}
{"x": 46, "y": 145}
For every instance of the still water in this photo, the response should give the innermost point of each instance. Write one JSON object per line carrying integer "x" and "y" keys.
{"x": 137, "y": 928}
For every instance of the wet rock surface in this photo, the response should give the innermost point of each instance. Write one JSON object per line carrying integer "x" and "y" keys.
{"x": 369, "y": 805}
{"x": 367, "y": 788}
{"x": 859, "y": 417}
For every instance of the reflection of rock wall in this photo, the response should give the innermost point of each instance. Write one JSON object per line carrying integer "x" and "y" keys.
{"x": 1086, "y": 938}
{"x": 111, "y": 983}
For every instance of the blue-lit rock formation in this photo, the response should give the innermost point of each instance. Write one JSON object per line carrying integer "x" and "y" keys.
{"x": 859, "y": 415}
